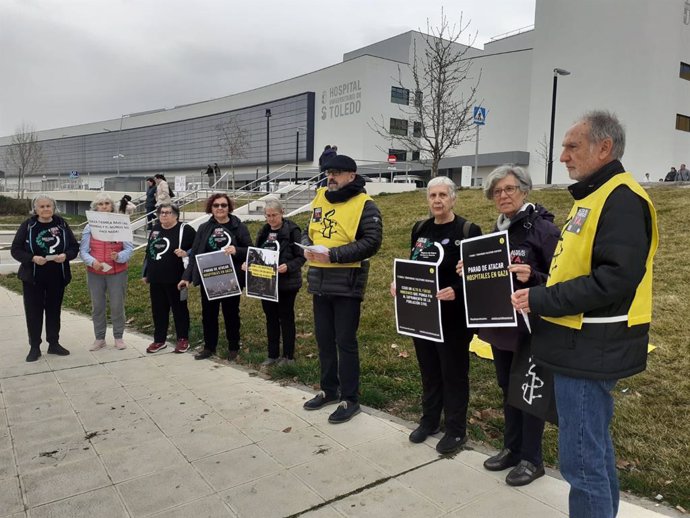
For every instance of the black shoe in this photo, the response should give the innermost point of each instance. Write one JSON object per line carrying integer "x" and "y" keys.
{"x": 203, "y": 354}
{"x": 320, "y": 400}
{"x": 232, "y": 355}
{"x": 34, "y": 354}
{"x": 421, "y": 433}
{"x": 57, "y": 349}
{"x": 503, "y": 460}
{"x": 524, "y": 473}
{"x": 450, "y": 444}
{"x": 346, "y": 410}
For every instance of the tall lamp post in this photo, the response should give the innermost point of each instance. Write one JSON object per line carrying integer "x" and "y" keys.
{"x": 268, "y": 141}
{"x": 556, "y": 72}
{"x": 297, "y": 154}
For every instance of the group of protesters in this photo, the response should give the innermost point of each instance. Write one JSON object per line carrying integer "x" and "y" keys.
{"x": 585, "y": 292}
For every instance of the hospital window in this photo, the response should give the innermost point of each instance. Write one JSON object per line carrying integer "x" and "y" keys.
{"x": 682, "y": 122}
{"x": 400, "y": 95}
{"x": 398, "y": 127}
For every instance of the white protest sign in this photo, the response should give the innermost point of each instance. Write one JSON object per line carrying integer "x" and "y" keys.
{"x": 109, "y": 226}
{"x": 180, "y": 183}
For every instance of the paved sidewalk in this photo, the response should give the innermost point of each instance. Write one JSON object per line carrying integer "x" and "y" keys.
{"x": 125, "y": 434}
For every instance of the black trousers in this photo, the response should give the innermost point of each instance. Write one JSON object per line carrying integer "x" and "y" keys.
{"x": 166, "y": 297}
{"x": 280, "y": 316}
{"x": 444, "y": 367}
{"x": 209, "y": 321}
{"x": 150, "y": 218}
{"x": 523, "y": 432}
{"x": 45, "y": 296}
{"x": 336, "y": 320}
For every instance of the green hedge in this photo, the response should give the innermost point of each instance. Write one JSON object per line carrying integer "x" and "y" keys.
{"x": 14, "y": 207}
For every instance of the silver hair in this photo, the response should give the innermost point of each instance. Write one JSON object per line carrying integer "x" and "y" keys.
{"x": 101, "y": 197}
{"x": 42, "y": 196}
{"x": 273, "y": 203}
{"x": 602, "y": 125}
{"x": 498, "y": 174}
{"x": 443, "y": 180}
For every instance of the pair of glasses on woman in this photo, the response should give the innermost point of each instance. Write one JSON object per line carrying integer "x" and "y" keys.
{"x": 508, "y": 189}
{"x": 220, "y": 205}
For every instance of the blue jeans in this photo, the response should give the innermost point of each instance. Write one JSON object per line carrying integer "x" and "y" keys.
{"x": 587, "y": 459}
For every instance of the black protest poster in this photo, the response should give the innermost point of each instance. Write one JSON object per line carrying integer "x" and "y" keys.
{"x": 417, "y": 310}
{"x": 262, "y": 273}
{"x": 487, "y": 283}
{"x": 218, "y": 275}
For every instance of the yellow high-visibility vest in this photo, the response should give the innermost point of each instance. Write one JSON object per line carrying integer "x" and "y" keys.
{"x": 335, "y": 224}
{"x": 573, "y": 256}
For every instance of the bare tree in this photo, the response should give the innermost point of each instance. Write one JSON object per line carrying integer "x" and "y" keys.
{"x": 24, "y": 155}
{"x": 542, "y": 152}
{"x": 233, "y": 140}
{"x": 443, "y": 93}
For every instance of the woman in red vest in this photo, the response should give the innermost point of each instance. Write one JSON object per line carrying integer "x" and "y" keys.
{"x": 106, "y": 263}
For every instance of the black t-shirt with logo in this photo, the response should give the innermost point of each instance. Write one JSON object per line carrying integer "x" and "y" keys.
{"x": 162, "y": 265}
{"x": 219, "y": 238}
{"x": 47, "y": 239}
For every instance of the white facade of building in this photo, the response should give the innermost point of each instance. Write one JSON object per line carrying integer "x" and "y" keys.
{"x": 623, "y": 55}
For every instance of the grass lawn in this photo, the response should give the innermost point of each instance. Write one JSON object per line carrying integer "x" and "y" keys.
{"x": 650, "y": 427}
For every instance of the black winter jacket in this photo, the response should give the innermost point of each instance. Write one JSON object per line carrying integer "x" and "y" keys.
{"x": 23, "y": 251}
{"x": 619, "y": 254}
{"x": 349, "y": 282}
{"x": 533, "y": 238}
{"x": 290, "y": 254}
{"x": 240, "y": 240}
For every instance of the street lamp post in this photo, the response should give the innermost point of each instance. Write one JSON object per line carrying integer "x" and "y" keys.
{"x": 556, "y": 72}
{"x": 297, "y": 155}
{"x": 268, "y": 140}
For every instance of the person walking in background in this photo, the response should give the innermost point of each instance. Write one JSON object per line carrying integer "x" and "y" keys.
{"x": 164, "y": 264}
{"x": 150, "y": 201}
{"x": 44, "y": 245}
{"x": 163, "y": 191}
{"x": 280, "y": 315}
{"x": 211, "y": 175}
{"x": 683, "y": 174}
{"x": 533, "y": 238}
{"x": 671, "y": 175}
{"x": 346, "y": 227}
{"x": 328, "y": 154}
{"x": 595, "y": 308}
{"x": 126, "y": 206}
{"x": 216, "y": 172}
{"x": 107, "y": 268}
{"x": 223, "y": 231}
{"x": 444, "y": 366}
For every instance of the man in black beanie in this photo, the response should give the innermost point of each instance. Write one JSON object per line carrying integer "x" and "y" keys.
{"x": 346, "y": 230}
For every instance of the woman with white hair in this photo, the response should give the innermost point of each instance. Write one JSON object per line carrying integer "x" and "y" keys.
{"x": 44, "y": 245}
{"x": 106, "y": 263}
{"x": 444, "y": 365}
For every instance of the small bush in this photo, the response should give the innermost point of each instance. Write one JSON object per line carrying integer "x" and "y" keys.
{"x": 14, "y": 207}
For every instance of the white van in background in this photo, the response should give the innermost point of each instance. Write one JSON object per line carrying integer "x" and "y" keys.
{"x": 410, "y": 178}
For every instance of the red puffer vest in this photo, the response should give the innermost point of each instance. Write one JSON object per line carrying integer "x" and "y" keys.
{"x": 101, "y": 251}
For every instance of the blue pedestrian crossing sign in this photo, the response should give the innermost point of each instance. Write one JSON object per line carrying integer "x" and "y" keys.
{"x": 74, "y": 174}
{"x": 479, "y": 115}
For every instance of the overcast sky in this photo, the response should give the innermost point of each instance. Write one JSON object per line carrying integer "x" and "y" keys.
{"x": 66, "y": 62}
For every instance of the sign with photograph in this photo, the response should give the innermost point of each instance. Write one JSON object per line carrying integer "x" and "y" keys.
{"x": 109, "y": 226}
{"x": 218, "y": 275}
{"x": 262, "y": 273}
{"x": 417, "y": 310}
{"x": 487, "y": 283}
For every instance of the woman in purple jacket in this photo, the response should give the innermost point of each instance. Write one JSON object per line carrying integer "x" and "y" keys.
{"x": 533, "y": 238}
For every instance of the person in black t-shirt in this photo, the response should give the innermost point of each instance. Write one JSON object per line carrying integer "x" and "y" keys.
{"x": 164, "y": 263}
{"x": 44, "y": 245}
{"x": 226, "y": 232}
{"x": 444, "y": 365}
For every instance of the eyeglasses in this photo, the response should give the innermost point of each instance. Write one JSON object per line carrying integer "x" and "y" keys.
{"x": 334, "y": 172}
{"x": 220, "y": 205}
{"x": 509, "y": 190}
{"x": 166, "y": 212}
{"x": 103, "y": 203}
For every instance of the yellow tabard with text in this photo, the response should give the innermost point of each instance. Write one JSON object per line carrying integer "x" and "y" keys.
{"x": 573, "y": 255}
{"x": 335, "y": 224}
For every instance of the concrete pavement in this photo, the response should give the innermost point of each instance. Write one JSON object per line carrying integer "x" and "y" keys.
{"x": 125, "y": 434}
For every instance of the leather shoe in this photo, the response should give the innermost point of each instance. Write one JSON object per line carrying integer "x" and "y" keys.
{"x": 503, "y": 460}
{"x": 524, "y": 473}
{"x": 320, "y": 400}
{"x": 34, "y": 354}
{"x": 57, "y": 349}
{"x": 421, "y": 433}
{"x": 450, "y": 444}
{"x": 203, "y": 354}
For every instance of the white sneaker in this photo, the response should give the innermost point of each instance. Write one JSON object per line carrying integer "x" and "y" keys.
{"x": 120, "y": 343}
{"x": 97, "y": 344}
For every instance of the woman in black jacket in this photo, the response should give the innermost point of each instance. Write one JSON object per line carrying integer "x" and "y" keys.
{"x": 280, "y": 315}
{"x": 444, "y": 366}
{"x": 533, "y": 237}
{"x": 44, "y": 245}
{"x": 226, "y": 232}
